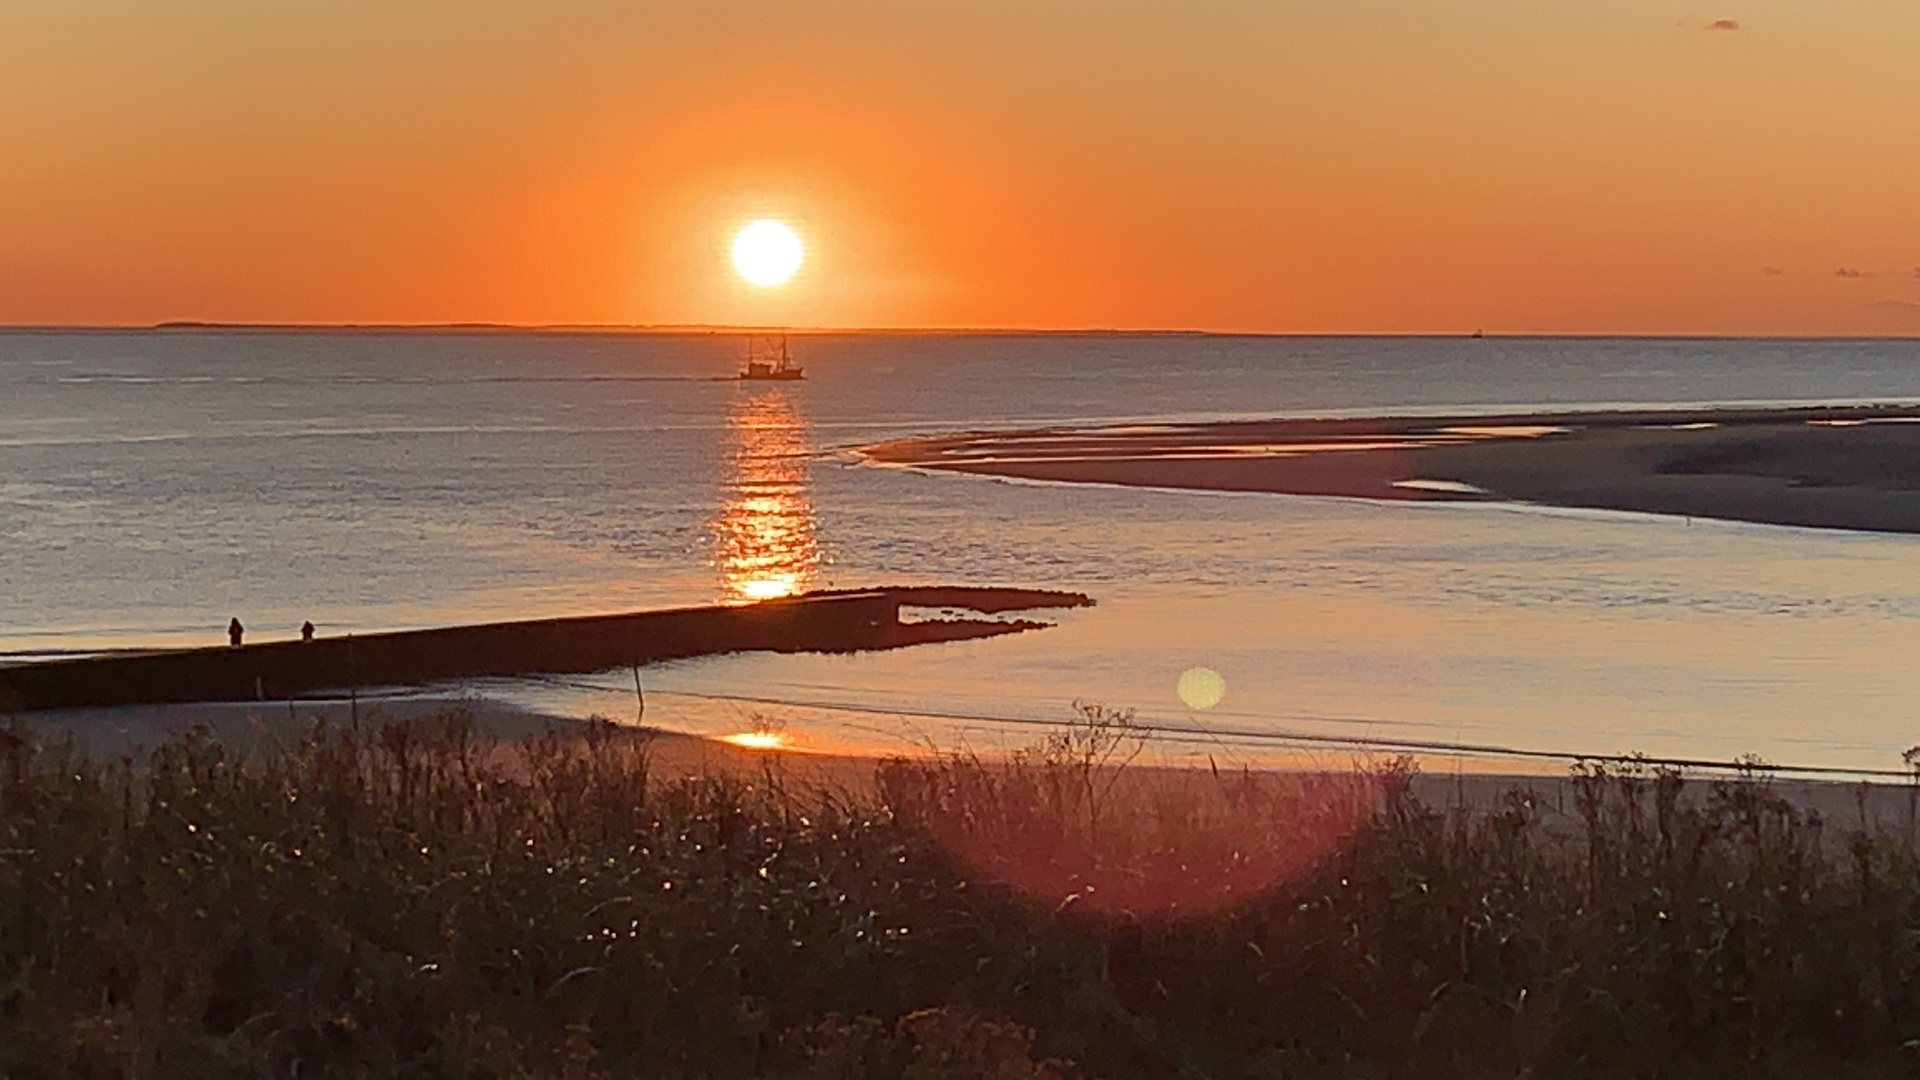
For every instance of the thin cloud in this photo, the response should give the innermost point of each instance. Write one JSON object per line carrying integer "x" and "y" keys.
{"x": 1723, "y": 24}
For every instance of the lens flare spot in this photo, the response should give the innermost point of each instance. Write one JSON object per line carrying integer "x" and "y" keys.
{"x": 1201, "y": 687}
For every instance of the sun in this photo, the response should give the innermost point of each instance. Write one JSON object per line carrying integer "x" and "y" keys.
{"x": 766, "y": 252}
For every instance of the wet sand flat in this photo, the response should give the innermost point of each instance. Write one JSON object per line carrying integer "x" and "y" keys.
{"x": 1835, "y": 467}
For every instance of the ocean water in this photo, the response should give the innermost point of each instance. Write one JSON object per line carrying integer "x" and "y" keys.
{"x": 155, "y": 484}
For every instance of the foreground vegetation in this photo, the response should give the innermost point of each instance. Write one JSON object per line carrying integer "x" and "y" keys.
{"x": 415, "y": 901}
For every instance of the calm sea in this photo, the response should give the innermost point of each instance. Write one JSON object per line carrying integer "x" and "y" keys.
{"x": 155, "y": 484}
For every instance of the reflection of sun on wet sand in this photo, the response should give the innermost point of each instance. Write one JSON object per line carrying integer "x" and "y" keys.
{"x": 1845, "y": 468}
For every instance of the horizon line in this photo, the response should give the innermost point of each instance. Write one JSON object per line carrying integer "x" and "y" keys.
{"x": 189, "y": 325}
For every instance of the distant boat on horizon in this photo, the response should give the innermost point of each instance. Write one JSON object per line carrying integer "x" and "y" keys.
{"x": 769, "y": 365}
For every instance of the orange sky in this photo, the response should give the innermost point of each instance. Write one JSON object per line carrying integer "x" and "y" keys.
{"x": 1286, "y": 165}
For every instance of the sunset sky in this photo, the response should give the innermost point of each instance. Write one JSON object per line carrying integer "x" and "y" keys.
{"x": 1637, "y": 166}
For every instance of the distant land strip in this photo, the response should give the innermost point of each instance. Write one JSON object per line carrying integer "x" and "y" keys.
{"x": 664, "y": 329}
{"x": 722, "y": 329}
{"x": 1836, "y": 467}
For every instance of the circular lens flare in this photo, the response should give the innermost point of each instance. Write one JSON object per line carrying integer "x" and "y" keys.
{"x": 1201, "y": 688}
{"x": 766, "y": 252}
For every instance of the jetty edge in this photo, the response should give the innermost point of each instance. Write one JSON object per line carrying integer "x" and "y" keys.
{"x": 828, "y": 622}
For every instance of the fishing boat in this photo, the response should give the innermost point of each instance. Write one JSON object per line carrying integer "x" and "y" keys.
{"x": 767, "y": 364}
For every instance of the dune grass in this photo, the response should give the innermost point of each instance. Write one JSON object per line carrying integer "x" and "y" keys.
{"x": 412, "y": 900}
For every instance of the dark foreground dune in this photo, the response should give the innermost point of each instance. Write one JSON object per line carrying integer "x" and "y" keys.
{"x": 1841, "y": 468}
{"x": 411, "y": 898}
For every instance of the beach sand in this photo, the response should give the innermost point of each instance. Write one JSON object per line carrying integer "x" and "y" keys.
{"x": 1841, "y": 468}
{"x": 133, "y": 731}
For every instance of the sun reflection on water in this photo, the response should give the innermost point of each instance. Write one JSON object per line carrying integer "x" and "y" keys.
{"x": 764, "y": 531}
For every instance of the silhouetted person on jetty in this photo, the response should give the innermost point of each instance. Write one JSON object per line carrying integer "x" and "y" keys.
{"x": 306, "y": 630}
{"x": 234, "y": 630}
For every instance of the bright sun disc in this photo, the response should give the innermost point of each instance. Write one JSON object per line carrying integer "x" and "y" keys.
{"x": 766, "y": 252}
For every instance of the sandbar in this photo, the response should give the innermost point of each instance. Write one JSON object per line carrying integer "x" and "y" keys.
{"x": 1841, "y": 467}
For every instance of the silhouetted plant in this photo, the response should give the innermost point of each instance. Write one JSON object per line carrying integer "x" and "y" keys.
{"x": 412, "y": 897}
